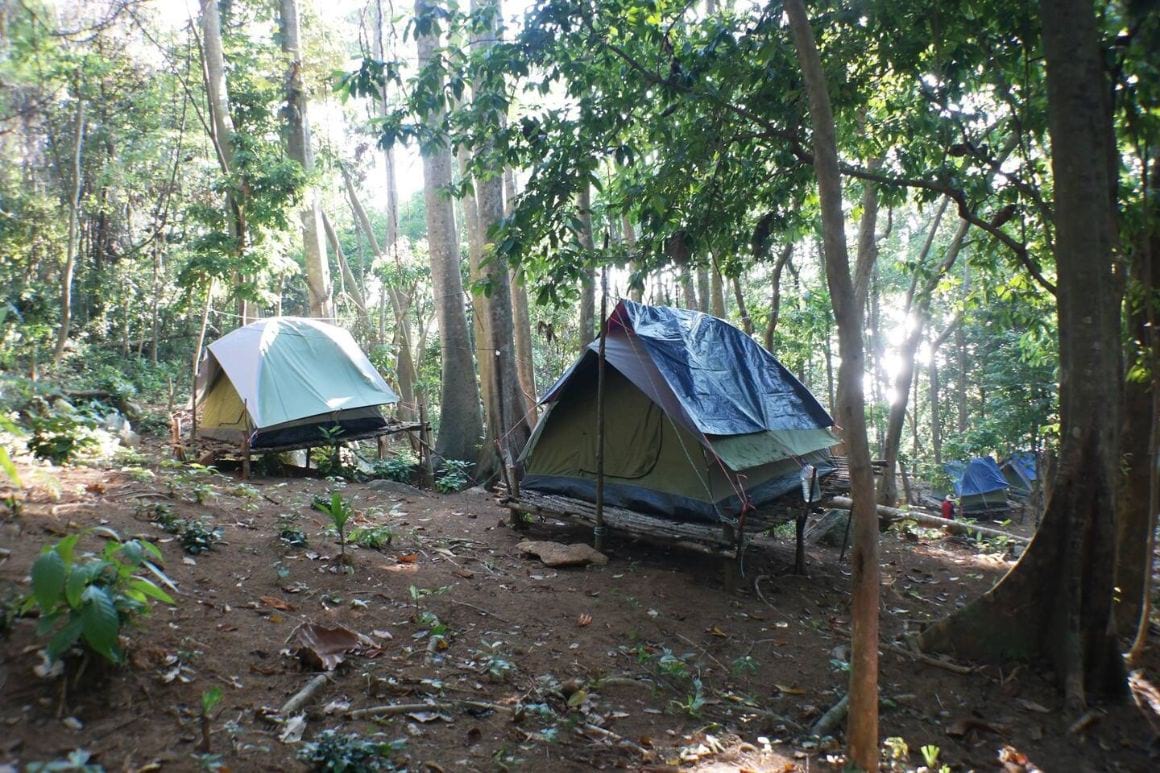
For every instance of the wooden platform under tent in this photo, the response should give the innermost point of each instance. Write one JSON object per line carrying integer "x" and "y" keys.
{"x": 726, "y": 539}
{"x": 208, "y": 450}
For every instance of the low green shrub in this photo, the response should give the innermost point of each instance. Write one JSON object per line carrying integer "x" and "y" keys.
{"x": 452, "y": 476}
{"x": 91, "y": 598}
{"x": 349, "y": 753}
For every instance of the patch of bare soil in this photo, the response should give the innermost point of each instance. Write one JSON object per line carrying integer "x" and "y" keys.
{"x": 476, "y": 656}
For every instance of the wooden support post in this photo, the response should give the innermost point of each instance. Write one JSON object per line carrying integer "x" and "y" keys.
{"x": 799, "y": 563}
{"x": 246, "y": 440}
{"x": 598, "y": 529}
{"x": 427, "y": 463}
{"x": 381, "y": 442}
{"x": 307, "y": 457}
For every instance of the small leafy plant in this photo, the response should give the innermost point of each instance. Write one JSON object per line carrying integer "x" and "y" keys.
{"x": 209, "y": 701}
{"x": 350, "y": 753}
{"x": 197, "y": 538}
{"x": 77, "y": 761}
{"x": 92, "y": 598}
{"x": 397, "y": 468}
{"x": 452, "y": 476}
{"x": 694, "y": 702}
{"x": 372, "y": 537}
{"x": 60, "y": 436}
{"x": 339, "y": 511}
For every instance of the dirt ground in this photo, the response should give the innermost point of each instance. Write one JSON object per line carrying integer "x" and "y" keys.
{"x": 645, "y": 663}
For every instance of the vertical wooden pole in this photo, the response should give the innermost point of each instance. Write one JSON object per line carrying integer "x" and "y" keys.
{"x": 598, "y": 529}
{"x": 246, "y": 440}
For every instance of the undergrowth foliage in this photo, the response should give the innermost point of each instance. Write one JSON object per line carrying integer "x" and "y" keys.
{"x": 90, "y": 598}
{"x": 334, "y": 751}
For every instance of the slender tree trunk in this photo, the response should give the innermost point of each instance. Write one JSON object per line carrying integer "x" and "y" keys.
{"x": 389, "y": 152}
{"x": 318, "y": 287}
{"x": 688, "y": 288}
{"x": 522, "y": 319}
{"x": 509, "y": 429}
{"x": 460, "y": 421}
{"x": 1135, "y": 527}
{"x": 862, "y": 727}
{"x": 480, "y": 317}
{"x": 700, "y": 301}
{"x": 636, "y": 292}
{"x": 775, "y": 299}
{"x": 588, "y": 283}
{"x": 214, "y": 72}
{"x": 742, "y": 308}
{"x": 717, "y": 294}
{"x": 935, "y": 415}
{"x": 74, "y": 212}
{"x": 962, "y": 407}
{"x": 918, "y": 308}
{"x": 1055, "y": 605}
{"x": 350, "y": 282}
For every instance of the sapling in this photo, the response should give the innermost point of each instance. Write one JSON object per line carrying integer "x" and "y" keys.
{"x": 339, "y": 511}
{"x": 209, "y": 701}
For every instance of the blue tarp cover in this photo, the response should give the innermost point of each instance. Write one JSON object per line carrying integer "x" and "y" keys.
{"x": 981, "y": 476}
{"x": 1024, "y": 462}
{"x": 725, "y": 382}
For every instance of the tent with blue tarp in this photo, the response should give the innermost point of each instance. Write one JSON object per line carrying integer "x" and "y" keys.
{"x": 981, "y": 488}
{"x": 1020, "y": 471}
{"x": 697, "y": 416}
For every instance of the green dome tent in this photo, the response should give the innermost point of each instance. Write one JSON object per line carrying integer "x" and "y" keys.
{"x": 283, "y": 381}
{"x": 698, "y": 419}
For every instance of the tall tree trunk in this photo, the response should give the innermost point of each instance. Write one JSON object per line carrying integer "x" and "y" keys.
{"x": 388, "y": 152}
{"x": 717, "y": 293}
{"x": 1055, "y": 605}
{"x": 742, "y": 308}
{"x": 962, "y": 408}
{"x": 351, "y": 285}
{"x": 460, "y": 420}
{"x": 480, "y": 316}
{"x": 318, "y": 288}
{"x": 400, "y": 301}
{"x": 509, "y": 429}
{"x": 918, "y": 309}
{"x": 74, "y": 213}
{"x": 688, "y": 289}
{"x": 1139, "y": 422}
{"x": 522, "y": 319}
{"x": 588, "y": 283}
{"x": 935, "y": 414}
{"x": 701, "y": 301}
{"x": 636, "y": 292}
{"x": 222, "y": 124}
{"x": 862, "y": 727}
{"x": 775, "y": 299}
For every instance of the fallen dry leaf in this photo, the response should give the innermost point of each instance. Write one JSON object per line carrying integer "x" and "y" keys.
{"x": 960, "y": 727}
{"x": 466, "y": 574}
{"x": 715, "y": 631}
{"x": 785, "y": 690}
{"x": 584, "y": 619}
{"x": 404, "y": 568}
{"x": 1033, "y": 706}
{"x": 276, "y": 603}
{"x": 408, "y": 558}
{"x": 323, "y": 648}
{"x": 95, "y": 487}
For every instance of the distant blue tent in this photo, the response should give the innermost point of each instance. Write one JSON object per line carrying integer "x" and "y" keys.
{"x": 982, "y": 487}
{"x": 1020, "y": 471}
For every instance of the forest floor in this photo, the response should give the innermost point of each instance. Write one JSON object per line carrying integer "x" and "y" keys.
{"x": 644, "y": 663}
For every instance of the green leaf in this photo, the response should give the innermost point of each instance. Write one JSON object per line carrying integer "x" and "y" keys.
{"x": 149, "y": 589}
{"x": 74, "y": 586}
{"x": 67, "y": 546}
{"x": 67, "y": 636}
{"x": 8, "y": 467}
{"x": 48, "y": 576}
{"x": 160, "y": 575}
{"x": 101, "y": 623}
